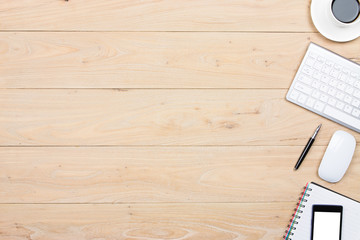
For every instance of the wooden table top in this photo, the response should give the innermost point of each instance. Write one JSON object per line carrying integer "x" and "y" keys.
{"x": 124, "y": 119}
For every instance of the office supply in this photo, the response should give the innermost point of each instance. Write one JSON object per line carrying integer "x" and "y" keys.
{"x": 307, "y": 148}
{"x": 327, "y": 20}
{"x": 328, "y": 85}
{"x": 314, "y": 194}
{"x": 337, "y": 156}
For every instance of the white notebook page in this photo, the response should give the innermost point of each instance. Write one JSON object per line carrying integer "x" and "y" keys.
{"x": 320, "y": 195}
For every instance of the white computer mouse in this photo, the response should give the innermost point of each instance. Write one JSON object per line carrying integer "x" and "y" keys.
{"x": 337, "y": 157}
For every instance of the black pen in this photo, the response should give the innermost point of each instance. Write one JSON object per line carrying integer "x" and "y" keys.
{"x": 307, "y": 148}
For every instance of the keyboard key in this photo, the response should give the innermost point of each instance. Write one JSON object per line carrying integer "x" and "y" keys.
{"x": 334, "y": 73}
{"x": 313, "y": 55}
{"x": 341, "y": 86}
{"x": 325, "y": 78}
{"x": 294, "y": 94}
{"x": 302, "y": 98}
{"x": 315, "y": 84}
{"x": 349, "y": 90}
{"x": 307, "y": 70}
{"x": 324, "y": 98}
{"x": 321, "y": 59}
{"x": 337, "y": 67}
{"x": 310, "y": 61}
{"x": 317, "y": 75}
{"x": 346, "y": 71}
{"x": 318, "y": 65}
{"x": 303, "y": 88}
{"x": 343, "y": 77}
{"x": 310, "y": 102}
{"x": 339, "y": 95}
{"x": 316, "y": 94}
{"x": 354, "y": 75}
{"x": 357, "y": 84}
{"x": 333, "y": 82}
{"x": 326, "y": 69}
{"x": 347, "y": 99}
{"x": 340, "y": 105}
{"x": 324, "y": 88}
{"x": 329, "y": 63}
{"x": 332, "y": 101}
{"x": 350, "y": 81}
{"x": 355, "y": 103}
{"x": 332, "y": 91}
{"x": 305, "y": 79}
{"x": 356, "y": 113}
{"x": 319, "y": 106}
{"x": 356, "y": 94}
{"x": 348, "y": 109}
{"x": 347, "y": 119}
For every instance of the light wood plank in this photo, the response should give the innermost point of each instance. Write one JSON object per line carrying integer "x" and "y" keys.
{"x": 149, "y": 221}
{"x": 222, "y": 184}
{"x": 158, "y": 174}
{"x": 156, "y": 60}
{"x": 152, "y": 15}
{"x": 156, "y": 117}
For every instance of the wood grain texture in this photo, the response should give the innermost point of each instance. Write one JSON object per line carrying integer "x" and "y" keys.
{"x": 265, "y": 221}
{"x": 156, "y": 60}
{"x": 155, "y": 117}
{"x": 153, "y": 15}
{"x": 158, "y": 174}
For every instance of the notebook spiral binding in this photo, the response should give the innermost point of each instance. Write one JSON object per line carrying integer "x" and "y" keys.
{"x": 291, "y": 228}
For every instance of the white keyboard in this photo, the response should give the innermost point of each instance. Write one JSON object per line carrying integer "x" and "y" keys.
{"x": 328, "y": 85}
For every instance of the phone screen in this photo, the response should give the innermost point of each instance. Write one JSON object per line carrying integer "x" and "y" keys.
{"x": 326, "y": 222}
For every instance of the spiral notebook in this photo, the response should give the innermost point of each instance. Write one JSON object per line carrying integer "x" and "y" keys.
{"x": 300, "y": 224}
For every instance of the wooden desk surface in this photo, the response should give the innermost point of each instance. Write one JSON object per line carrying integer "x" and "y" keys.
{"x": 156, "y": 119}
